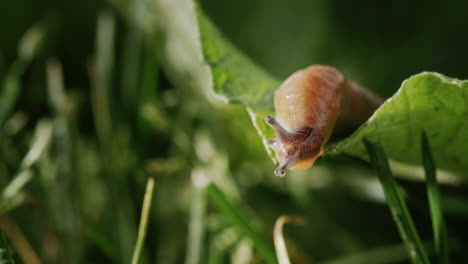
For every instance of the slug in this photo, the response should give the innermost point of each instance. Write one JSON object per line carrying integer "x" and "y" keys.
{"x": 310, "y": 105}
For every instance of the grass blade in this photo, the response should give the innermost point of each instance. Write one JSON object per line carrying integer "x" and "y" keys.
{"x": 131, "y": 63}
{"x": 101, "y": 72}
{"x": 5, "y": 254}
{"x": 280, "y": 244}
{"x": 149, "y": 86}
{"x": 145, "y": 211}
{"x": 196, "y": 227}
{"x": 62, "y": 200}
{"x": 435, "y": 204}
{"x": 388, "y": 254}
{"x": 19, "y": 241}
{"x": 101, "y": 75}
{"x": 97, "y": 236}
{"x": 240, "y": 222}
{"x": 10, "y": 91}
{"x": 12, "y": 195}
{"x": 397, "y": 204}
{"x": 28, "y": 47}
{"x": 42, "y": 138}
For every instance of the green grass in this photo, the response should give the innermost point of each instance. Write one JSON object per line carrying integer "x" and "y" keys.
{"x": 28, "y": 48}
{"x": 196, "y": 226}
{"x": 396, "y": 202}
{"x": 145, "y": 211}
{"x": 90, "y": 110}
{"x": 5, "y": 254}
{"x": 241, "y": 223}
{"x": 399, "y": 209}
{"x": 435, "y": 205}
{"x": 388, "y": 254}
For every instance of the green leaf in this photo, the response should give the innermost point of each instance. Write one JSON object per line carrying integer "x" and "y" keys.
{"x": 427, "y": 102}
{"x": 196, "y": 54}
{"x": 234, "y": 75}
{"x": 435, "y": 205}
{"x": 396, "y": 203}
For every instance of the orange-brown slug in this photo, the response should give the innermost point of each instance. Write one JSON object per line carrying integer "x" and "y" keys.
{"x": 310, "y": 105}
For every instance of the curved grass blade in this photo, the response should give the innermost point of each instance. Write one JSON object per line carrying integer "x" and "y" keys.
{"x": 240, "y": 223}
{"x": 280, "y": 243}
{"x": 435, "y": 205}
{"x": 396, "y": 203}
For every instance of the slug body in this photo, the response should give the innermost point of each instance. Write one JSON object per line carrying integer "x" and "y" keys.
{"x": 310, "y": 105}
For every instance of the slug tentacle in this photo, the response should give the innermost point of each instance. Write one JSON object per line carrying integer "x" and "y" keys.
{"x": 280, "y": 131}
{"x": 284, "y": 167}
{"x": 292, "y": 148}
{"x": 309, "y": 104}
{"x": 271, "y": 142}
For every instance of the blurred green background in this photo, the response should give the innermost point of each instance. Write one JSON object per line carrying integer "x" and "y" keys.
{"x": 75, "y": 155}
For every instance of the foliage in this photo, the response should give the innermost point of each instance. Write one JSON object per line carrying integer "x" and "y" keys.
{"x": 425, "y": 102}
{"x": 98, "y": 97}
{"x": 397, "y": 124}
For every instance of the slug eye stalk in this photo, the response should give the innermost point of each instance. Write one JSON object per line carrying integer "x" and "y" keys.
{"x": 291, "y": 147}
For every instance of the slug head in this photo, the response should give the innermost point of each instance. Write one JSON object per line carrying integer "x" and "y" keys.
{"x": 296, "y": 150}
